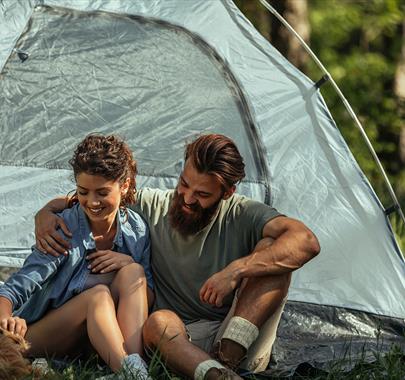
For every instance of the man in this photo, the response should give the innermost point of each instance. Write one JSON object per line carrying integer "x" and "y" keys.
{"x": 211, "y": 247}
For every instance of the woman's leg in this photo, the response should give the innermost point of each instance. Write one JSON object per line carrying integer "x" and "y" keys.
{"x": 129, "y": 290}
{"x": 90, "y": 313}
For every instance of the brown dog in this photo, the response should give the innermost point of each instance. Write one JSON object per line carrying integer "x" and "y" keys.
{"x": 13, "y": 365}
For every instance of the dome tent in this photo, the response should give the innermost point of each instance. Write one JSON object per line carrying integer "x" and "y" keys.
{"x": 158, "y": 73}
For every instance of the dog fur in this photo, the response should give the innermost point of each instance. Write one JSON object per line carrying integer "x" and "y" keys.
{"x": 13, "y": 365}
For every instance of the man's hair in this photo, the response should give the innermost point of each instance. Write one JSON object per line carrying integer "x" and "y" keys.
{"x": 108, "y": 157}
{"x": 217, "y": 155}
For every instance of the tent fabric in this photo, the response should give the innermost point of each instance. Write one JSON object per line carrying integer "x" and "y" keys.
{"x": 159, "y": 73}
{"x": 322, "y": 337}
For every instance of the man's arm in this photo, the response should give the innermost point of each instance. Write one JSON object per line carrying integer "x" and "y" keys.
{"x": 47, "y": 238}
{"x": 294, "y": 244}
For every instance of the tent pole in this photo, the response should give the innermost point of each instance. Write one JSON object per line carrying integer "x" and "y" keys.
{"x": 345, "y": 102}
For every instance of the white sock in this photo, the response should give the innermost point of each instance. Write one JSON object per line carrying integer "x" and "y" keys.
{"x": 204, "y": 367}
{"x": 241, "y": 331}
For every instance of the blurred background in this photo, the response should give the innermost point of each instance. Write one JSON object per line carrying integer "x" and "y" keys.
{"x": 362, "y": 45}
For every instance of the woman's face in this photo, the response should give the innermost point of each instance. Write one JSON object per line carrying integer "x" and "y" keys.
{"x": 99, "y": 197}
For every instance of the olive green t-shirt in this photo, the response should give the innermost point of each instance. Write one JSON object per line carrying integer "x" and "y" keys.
{"x": 180, "y": 266}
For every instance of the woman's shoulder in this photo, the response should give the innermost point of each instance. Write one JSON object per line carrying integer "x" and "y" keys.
{"x": 71, "y": 217}
{"x": 135, "y": 221}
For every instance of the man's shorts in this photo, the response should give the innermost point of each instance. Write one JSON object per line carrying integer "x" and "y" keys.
{"x": 205, "y": 333}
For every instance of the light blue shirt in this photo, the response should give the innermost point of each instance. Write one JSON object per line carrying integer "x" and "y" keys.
{"x": 47, "y": 282}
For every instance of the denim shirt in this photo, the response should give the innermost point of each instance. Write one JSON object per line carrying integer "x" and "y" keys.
{"x": 45, "y": 281}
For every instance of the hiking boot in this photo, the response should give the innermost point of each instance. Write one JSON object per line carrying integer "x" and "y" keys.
{"x": 228, "y": 362}
{"x": 221, "y": 374}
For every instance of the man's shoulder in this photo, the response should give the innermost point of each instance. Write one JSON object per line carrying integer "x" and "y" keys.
{"x": 238, "y": 205}
{"x": 237, "y": 201}
{"x": 152, "y": 192}
{"x": 151, "y": 201}
{"x": 149, "y": 196}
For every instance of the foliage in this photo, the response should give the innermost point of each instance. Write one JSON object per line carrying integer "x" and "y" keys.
{"x": 359, "y": 42}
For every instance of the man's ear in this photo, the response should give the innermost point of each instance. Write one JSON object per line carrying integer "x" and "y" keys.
{"x": 229, "y": 192}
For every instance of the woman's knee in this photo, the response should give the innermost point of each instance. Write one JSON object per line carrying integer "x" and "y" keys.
{"x": 99, "y": 294}
{"x": 129, "y": 273}
{"x": 162, "y": 326}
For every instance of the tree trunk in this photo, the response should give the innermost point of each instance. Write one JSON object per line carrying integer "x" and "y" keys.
{"x": 399, "y": 89}
{"x": 296, "y": 14}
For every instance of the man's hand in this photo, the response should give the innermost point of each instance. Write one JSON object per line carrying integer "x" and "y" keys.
{"x": 218, "y": 286}
{"x": 107, "y": 261}
{"x": 48, "y": 240}
{"x": 15, "y": 325}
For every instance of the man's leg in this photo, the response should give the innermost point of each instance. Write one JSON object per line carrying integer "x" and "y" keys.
{"x": 259, "y": 300}
{"x": 165, "y": 331}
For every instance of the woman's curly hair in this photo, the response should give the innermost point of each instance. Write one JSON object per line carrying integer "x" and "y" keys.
{"x": 108, "y": 157}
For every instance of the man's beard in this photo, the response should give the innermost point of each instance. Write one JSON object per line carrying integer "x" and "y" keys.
{"x": 190, "y": 223}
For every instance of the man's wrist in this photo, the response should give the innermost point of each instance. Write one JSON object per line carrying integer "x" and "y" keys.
{"x": 236, "y": 270}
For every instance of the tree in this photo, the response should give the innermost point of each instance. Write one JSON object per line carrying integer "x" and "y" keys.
{"x": 359, "y": 42}
{"x": 399, "y": 89}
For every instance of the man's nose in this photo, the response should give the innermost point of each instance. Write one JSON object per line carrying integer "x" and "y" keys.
{"x": 189, "y": 198}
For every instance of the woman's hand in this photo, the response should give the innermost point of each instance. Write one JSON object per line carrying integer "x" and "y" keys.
{"x": 15, "y": 325}
{"x": 107, "y": 261}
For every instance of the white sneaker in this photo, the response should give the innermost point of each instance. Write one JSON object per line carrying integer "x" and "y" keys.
{"x": 134, "y": 367}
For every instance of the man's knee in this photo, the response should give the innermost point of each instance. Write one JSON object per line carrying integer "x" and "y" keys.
{"x": 161, "y": 327}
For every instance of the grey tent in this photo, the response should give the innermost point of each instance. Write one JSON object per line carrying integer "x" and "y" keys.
{"x": 158, "y": 73}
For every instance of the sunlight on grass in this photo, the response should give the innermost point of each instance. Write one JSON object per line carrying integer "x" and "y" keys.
{"x": 386, "y": 366}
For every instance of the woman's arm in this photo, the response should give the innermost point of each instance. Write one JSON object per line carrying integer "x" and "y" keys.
{"x": 6, "y": 309}
{"x": 15, "y": 325}
{"x": 37, "y": 269}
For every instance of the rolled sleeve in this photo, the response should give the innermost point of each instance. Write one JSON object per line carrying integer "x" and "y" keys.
{"x": 37, "y": 269}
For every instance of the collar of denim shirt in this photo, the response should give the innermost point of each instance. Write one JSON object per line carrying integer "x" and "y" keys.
{"x": 87, "y": 235}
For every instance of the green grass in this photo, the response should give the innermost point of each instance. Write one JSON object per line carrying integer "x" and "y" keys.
{"x": 386, "y": 366}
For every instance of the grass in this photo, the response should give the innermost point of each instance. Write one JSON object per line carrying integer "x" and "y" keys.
{"x": 386, "y": 366}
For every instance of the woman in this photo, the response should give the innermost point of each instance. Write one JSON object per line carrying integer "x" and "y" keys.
{"x": 102, "y": 288}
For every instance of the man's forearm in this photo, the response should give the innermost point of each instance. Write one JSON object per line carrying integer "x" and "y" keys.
{"x": 56, "y": 205}
{"x": 287, "y": 253}
{"x": 47, "y": 238}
